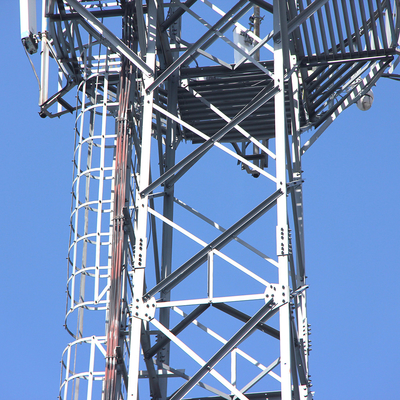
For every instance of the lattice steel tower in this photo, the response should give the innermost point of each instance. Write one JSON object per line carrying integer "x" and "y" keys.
{"x": 186, "y": 274}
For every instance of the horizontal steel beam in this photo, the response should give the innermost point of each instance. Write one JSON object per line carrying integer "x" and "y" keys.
{"x": 116, "y": 12}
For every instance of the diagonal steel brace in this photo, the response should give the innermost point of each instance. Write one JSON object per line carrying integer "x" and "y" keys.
{"x": 182, "y": 166}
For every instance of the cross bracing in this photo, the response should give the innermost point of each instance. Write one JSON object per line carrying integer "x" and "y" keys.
{"x": 172, "y": 292}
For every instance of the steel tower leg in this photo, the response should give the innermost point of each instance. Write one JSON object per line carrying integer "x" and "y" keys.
{"x": 282, "y": 239}
{"x": 163, "y": 355}
{"x": 140, "y": 250}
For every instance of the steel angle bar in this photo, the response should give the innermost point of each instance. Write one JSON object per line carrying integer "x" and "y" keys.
{"x": 304, "y": 28}
{"x": 151, "y": 370}
{"x": 176, "y": 330}
{"x": 346, "y": 101}
{"x": 350, "y": 39}
{"x": 204, "y": 244}
{"x": 220, "y": 228}
{"x": 216, "y": 336}
{"x": 240, "y": 352}
{"x": 302, "y": 17}
{"x": 356, "y": 26}
{"x": 205, "y": 54}
{"x": 299, "y": 247}
{"x": 208, "y": 300}
{"x": 295, "y": 380}
{"x": 260, "y": 375}
{"x": 382, "y": 24}
{"x": 217, "y": 144}
{"x": 197, "y": 358}
{"x": 165, "y": 54}
{"x": 365, "y": 25}
{"x": 314, "y": 32}
{"x": 244, "y": 318}
{"x": 186, "y": 163}
{"x": 322, "y": 30}
{"x": 189, "y": 52}
{"x": 227, "y": 119}
{"x": 373, "y": 25}
{"x": 299, "y": 356}
{"x": 238, "y": 337}
{"x": 179, "y": 373}
{"x": 155, "y": 243}
{"x": 141, "y": 26}
{"x": 102, "y": 33}
{"x": 339, "y": 26}
{"x": 390, "y": 29}
{"x": 74, "y": 16}
{"x": 230, "y": 43}
{"x": 397, "y": 25}
{"x": 176, "y": 14}
{"x": 194, "y": 262}
{"x": 57, "y": 98}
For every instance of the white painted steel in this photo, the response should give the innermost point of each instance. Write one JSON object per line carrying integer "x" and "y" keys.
{"x": 282, "y": 240}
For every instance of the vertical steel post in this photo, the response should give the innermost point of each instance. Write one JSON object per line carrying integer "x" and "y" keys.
{"x": 163, "y": 356}
{"x": 143, "y": 179}
{"x": 282, "y": 239}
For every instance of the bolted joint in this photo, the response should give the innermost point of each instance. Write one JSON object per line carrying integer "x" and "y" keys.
{"x": 282, "y": 241}
{"x": 144, "y": 310}
{"x": 278, "y": 293}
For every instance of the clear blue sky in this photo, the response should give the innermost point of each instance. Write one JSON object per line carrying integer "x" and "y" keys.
{"x": 351, "y": 197}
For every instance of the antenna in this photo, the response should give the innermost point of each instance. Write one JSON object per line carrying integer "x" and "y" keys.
{"x": 28, "y": 25}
